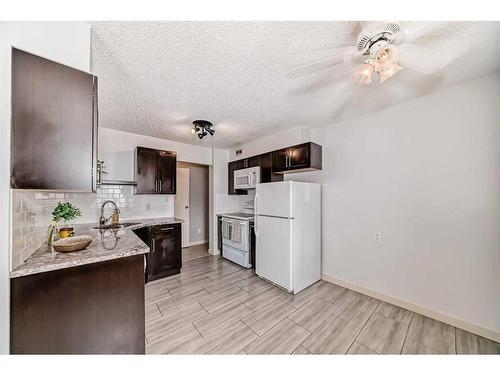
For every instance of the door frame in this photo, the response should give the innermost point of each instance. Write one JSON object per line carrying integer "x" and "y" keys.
{"x": 185, "y": 224}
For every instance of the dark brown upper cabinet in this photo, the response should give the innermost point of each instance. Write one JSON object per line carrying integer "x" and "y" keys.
{"x": 303, "y": 157}
{"x": 54, "y": 125}
{"x": 266, "y": 169}
{"x": 156, "y": 171}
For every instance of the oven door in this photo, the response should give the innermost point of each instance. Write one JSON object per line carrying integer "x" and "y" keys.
{"x": 239, "y": 242}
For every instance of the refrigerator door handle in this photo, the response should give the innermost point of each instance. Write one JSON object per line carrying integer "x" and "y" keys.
{"x": 255, "y": 214}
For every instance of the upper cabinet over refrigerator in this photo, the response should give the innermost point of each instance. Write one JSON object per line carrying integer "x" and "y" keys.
{"x": 54, "y": 125}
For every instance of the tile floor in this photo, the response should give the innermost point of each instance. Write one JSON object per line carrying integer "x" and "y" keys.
{"x": 215, "y": 306}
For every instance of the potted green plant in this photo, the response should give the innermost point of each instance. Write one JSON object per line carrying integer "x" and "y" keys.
{"x": 65, "y": 212}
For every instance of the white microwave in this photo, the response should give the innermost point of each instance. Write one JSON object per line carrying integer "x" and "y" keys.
{"x": 246, "y": 178}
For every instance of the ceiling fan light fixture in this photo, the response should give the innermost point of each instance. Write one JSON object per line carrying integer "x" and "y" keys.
{"x": 386, "y": 61}
{"x": 364, "y": 72}
{"x": 389, "y": 71}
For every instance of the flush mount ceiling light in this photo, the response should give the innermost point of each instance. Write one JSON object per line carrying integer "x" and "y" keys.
{"x": 202, "y": 128}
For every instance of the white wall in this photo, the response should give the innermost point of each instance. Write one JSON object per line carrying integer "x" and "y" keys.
{"x": 220, "y": 201}
{"x": 426, "y": 175}
{"x": 65, "y": 42}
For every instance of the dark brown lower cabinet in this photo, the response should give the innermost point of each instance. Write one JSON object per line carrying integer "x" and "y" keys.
{"x": 165, "y": 257}
{"x": 91, "y": 309}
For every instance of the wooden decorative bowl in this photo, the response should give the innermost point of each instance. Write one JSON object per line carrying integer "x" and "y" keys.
{"x": 67, "y": 245}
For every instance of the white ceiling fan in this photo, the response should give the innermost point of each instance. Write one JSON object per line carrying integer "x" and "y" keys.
{"x": 381, "y": 50}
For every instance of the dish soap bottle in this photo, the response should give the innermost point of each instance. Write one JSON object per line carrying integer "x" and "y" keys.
{"x": 115, "y": 218}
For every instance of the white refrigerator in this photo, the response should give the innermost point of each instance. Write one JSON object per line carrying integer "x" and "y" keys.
{"x": 288, "y": 234}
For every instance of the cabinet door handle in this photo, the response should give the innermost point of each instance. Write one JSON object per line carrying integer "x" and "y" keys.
{"x": 153, "y": 249}
{"x": 167, "y": 228}
{"x": 156, "y": 185}
{"x": 160, "y": 185}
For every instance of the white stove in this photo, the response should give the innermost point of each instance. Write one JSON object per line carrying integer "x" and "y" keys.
{"x": 236, "y": 238}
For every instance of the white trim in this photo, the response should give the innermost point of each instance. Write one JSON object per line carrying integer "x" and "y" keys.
{"x": 198, "y": 242}
{"x": 419, "y": 309}
{"x": 213, "y": 252}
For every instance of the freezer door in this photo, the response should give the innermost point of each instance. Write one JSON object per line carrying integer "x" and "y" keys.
{"x": 274, "y": 199}
{"x": 273, "y": 253}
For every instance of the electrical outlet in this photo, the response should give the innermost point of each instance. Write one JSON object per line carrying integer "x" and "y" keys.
{"x": 148, "y": 206}
{"x": 378, "y": 236}
{"x": 199, "y": 230}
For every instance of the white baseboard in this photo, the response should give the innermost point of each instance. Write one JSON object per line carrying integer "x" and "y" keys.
{"x": 198, "y": 242}
{"x": 419, "y": 309}
{"x": 214, "y": 252}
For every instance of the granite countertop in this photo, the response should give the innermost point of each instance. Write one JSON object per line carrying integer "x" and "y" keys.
{"x": 106, "y": 245}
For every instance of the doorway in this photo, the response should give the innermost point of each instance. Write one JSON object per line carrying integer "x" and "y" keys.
{"x": 191, "y": 204}
{"x": 181, "y": 203}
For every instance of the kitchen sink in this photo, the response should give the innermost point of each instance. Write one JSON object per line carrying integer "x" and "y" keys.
{"x": 115, "y": 226}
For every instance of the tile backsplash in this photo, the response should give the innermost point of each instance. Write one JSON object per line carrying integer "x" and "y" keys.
{"x": 32, "y": 212}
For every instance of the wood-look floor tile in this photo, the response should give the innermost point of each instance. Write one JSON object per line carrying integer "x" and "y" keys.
{"x": 357, "y": 348}
{"x": 167, "y": 282}
{"x": 173, "y": 320}
{"x": 185, "y": 340}
{"x": 284, "y": 338}
{"x": 257, "y": 300}
{"x": 413, "y": 347}
{"x": 267, "y": 317}
{"x": 314, "y": 291}
{"x": 170, "y": 304}
{"x": 217, "y": 274}
{"x": 156, "y": 293}
{"x": 383, "y": 335}
{"x": 469, "y": 343}
{"x": 338, "y": 295}
{"x": 394, "y": 312}
{"x": 222, "y": 299}
{"x": 231, "y": 340}
{"x": 152, "y": 312}
{"x": 254, "y": 284}
{"x": 357, "y": 310}
{"x": 301, "y": 351}
{"x": 190, "y": 286}
{"x": 430, "y": 332}
{"x": 334, "y": 336}
{"x": 222, "y": 318}
{"x": 223, "y": 283}
{"x": 312, "y": 314}
{"x": 247, "y": 273}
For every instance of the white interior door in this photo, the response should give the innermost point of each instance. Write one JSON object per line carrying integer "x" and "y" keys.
{"x": 181, "y": 203}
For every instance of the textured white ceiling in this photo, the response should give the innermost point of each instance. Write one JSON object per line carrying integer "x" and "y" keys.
{"x": 157, "y": 77}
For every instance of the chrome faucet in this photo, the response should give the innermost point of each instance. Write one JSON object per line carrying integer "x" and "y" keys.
{"x": 102, "y": 219}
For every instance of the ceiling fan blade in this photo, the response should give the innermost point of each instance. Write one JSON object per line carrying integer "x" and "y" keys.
{"x": 428, "y": 61}
{"x": 314, "y": 67}
{"x": 343, "y": 95}
{"x": 333, "y": 57}
{"x": 413, "y": 31}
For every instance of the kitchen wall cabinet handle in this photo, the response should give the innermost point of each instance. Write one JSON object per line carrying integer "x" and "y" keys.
{"x": 160, "y": 184}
